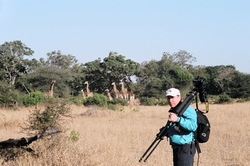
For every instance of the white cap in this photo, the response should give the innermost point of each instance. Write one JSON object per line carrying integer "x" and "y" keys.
{"x": 173, "y": 92}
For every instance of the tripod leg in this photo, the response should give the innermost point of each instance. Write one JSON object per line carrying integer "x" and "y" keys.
{"x": 152, "y": 150}
{"x": 148, "y": 149}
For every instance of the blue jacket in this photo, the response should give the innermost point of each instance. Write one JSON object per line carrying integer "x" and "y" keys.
{"x": 182, "y": 131}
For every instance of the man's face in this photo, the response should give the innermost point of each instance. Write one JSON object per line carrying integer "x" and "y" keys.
{"x": 173, "y": 100}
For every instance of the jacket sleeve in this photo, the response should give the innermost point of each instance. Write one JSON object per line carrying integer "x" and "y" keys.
{"x": 189, "y": 119}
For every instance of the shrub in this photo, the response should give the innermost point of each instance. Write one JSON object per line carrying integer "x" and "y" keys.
{"x": 102, "y": 101}
{"x": 148, "y": 101}
{"x": 74, "y": 136}
{"x": 9, "y": 97}
{"x": 213, "y": 99}
{"x": 224, "y": 99}
{"x": 33, "y": 99}
{"x": 162, "y": 102}
{"x": 247, "y": 99}
{"x": 120, "y": 101}
{"x": 40, "y": 121}
{"x": 78, "y": 100}
{"x": 98, "y": 100}
{"x": 243, "y": 100}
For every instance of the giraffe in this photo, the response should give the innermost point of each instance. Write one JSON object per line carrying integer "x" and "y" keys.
{"x": 117, "y": 92}
{"x": 124, "y": 91}
{"x": 131, "y": 95}
{"x": 109, "y": 94}
{"x": 89, "y": 93}
{"x": 50, "y": 92}
{"x": 83, "y": 94}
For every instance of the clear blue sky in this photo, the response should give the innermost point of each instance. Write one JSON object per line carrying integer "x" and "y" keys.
{"x": 216, "y": 32}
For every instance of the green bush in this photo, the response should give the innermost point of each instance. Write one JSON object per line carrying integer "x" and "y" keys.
{"x": 148, "y": 101}
{"x": 120, "y": 101}
{"x": 162, "y": 102}
{"x": 241, "y": 100}
{"x": 247, "y": 99}
{"x": 78, "y": 100}
{"x": 74, "y": 136}
{"x": 115, "y": 105}
{"x": 98, "y": 100}
{"x": 111, "y": 106}
{"x": 102, "y": 101}
{"x": 33, "y": 99}
{"x": 224, "y": 99}
{"x": 9, "y": 97}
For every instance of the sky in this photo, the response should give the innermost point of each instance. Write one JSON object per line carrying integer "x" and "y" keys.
{"x": 215, "y": 32}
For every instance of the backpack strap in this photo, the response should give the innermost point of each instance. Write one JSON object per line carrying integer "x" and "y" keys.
{"x": 197, "y": 145}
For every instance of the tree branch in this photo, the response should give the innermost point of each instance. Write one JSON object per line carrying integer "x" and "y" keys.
{"x": 12, "y": 143}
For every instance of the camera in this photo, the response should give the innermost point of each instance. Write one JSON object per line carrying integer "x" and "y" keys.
{"x": 198, "y": 86}
{"x": 198, "y": 82}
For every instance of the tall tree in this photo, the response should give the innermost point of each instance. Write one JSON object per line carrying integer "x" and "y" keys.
{"x": 114, "y": 68}
{"x": 218, "y": 78}
{"x": 224, "y": 77}
{"x": 181, "y": 77}
{"x": 56, "y": 58}
{"x": 172, "y": 70}
{"x": 13, "y": 62}
{"x": 239, "y": 87}
{"x": 57, "y": 67}
{"x": 182, "y": 58}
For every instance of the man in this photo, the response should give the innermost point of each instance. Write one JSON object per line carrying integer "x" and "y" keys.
{"x": 181, "y": 130}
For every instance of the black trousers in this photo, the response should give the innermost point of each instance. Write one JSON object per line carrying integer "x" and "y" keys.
{"x": 183, "y": 155}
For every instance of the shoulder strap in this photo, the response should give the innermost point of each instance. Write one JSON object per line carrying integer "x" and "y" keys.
{"x": 197, "y": 145}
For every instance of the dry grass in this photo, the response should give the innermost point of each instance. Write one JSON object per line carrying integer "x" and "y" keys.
{"x": 110, "y": 138}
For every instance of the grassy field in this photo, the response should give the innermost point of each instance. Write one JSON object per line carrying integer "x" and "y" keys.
{"x": 119, "y": 138}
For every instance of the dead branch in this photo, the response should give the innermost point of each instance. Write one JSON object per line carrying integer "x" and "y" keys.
{"x": 14, "y": 143}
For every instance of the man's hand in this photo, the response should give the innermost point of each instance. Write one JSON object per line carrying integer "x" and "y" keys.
{"x": 162, "y": 134}
{"x": 172, "y": 117}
